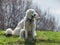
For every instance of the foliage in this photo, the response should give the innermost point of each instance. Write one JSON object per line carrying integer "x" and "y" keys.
{"x": 42, "y": 38}
{"x": 12, "y": 11}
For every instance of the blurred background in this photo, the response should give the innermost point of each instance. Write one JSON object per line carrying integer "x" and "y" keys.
{"x": 12, "y": 11}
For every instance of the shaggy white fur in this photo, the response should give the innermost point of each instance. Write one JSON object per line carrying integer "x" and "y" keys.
{"x": 28, "y": 23}
{"x": 19, "y": 27}
{"x": 9, "y": 31}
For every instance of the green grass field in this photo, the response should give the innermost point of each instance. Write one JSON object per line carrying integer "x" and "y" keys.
{"x": 42, "y": 38}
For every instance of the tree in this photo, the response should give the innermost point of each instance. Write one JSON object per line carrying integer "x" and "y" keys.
{"x": 12, "y": 11}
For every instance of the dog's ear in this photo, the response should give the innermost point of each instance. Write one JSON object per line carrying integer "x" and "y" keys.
{"x": 29, "y": 11}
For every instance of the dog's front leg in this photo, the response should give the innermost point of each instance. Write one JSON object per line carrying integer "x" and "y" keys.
{"x": 34, "y": 33}
{"x": 21, "y": 33}
{"x": 34, "y": 29}
{"x": 26, "y": 34}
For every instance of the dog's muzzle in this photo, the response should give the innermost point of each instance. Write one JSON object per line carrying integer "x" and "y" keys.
{"x": 33, "y": 15}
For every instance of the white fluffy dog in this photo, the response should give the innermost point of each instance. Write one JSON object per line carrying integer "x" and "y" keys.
{"x": 27, "y": 24}
{"x": 30, "y": 22}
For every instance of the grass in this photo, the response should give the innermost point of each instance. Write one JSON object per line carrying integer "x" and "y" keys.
{"x": 42, "y": 38}
{"x": 48, "y": 38}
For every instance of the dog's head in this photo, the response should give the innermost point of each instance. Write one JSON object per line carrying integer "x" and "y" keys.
{"x": 31, "y": 13}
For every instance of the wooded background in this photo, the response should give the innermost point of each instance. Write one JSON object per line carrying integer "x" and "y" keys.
{"x": 12, "y": 11}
